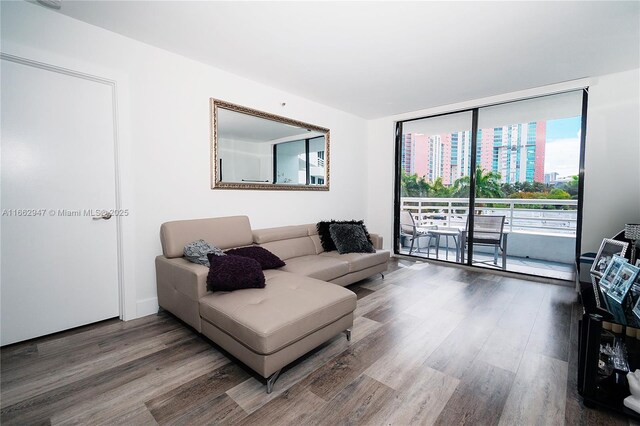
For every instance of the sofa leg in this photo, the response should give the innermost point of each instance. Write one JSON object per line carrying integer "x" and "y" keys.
{"x": 160, "y": 311}
{"x": 347, "y": 332}
{"x": 382, "y": 275}
{"x": 271, "y": 380}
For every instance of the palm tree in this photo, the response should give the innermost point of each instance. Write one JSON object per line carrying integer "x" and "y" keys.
{"x": 487, "y": 185}
{"x": 438, "y": 189}
{"x": 413, "y": 186}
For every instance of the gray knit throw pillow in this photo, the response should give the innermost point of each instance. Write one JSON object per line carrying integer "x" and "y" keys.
{"x": 197, "y": 251}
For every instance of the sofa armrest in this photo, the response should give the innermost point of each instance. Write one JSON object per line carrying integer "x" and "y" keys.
{"x": 186, "y": 277}
{"x": 376, "y": 240}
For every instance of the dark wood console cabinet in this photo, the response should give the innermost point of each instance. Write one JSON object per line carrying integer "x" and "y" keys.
{"x": 605, "y": 386}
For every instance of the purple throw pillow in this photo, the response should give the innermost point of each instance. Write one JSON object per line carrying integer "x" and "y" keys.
{"x": 228, "y": 273}
{"x": 264, "y": 257}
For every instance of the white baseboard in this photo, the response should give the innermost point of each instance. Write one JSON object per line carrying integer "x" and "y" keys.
{"x": 146, "y": 307}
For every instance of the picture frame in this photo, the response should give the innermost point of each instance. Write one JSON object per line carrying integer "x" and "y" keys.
{"x": 623, "y": 281}
{"x": 636, "y": 310}
{"x": 596, "y": 291}
{"x": 608, "y": 248}
{"x": 635, "y": 288}
{"x": 609, "y": 275}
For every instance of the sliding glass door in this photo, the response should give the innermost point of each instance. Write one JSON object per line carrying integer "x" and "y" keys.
{"x": 526, "y": 186}
{"x": 518, "y": 210}
{"x": 435, "y": 153}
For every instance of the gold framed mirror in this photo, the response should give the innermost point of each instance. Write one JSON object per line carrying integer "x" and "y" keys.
{"x": 251, "y": 149}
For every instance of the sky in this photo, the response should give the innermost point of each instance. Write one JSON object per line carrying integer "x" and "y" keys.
{"x": 562, "y": 151}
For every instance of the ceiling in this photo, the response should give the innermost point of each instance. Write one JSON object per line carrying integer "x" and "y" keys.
{"x": 249, "y": 128}
{"x": 375, "y": 59}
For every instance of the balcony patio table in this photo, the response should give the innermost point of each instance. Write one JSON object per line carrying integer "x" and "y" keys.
{"x": 455, "y": 233}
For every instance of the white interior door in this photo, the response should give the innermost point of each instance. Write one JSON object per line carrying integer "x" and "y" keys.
{"x": 59, "y": 266}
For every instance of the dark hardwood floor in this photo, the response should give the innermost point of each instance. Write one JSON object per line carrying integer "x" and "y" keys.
{"x": 431, "y": 345}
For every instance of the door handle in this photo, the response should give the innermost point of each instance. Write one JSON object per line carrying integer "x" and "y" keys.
{"x": 105, "y": 216}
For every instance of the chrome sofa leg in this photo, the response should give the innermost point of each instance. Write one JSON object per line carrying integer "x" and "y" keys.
{"x": 271, "y": 380}
{"x": 347, "y": 332}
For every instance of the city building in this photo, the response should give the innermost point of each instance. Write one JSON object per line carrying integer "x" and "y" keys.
{"x": 515, "y": 151}
{"x": 550, "y": 178}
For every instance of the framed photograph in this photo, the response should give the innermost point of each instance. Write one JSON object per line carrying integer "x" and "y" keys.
{"x": 622, "y": 282}
{"x": 607, "y": 250}
{"x": 636, "y": 310}
{"x": 608, "y": 308}
{"x": 596, "y": 291}
{"x": 635, "y": 288}
{"x": 607, "y": 278}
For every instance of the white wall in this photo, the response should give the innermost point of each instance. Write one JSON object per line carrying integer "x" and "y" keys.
{"x": 612, "y": 161}
{"x": 612, "y": 155}
{"x": 245, "y": 160}
{"x": 165, "y": 136}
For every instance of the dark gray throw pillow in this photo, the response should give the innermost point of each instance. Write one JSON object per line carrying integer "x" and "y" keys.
{"x": 350, "y": 238}
{"x": 325, "y": 235}
{"x": 229, "y": 273}
{"x": 197, "y": 252}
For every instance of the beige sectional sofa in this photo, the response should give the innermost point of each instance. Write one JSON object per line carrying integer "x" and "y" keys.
{"x": 300, "y": 308}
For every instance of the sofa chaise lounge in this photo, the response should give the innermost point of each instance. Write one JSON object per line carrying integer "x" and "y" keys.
{"x": 302, "y": 305}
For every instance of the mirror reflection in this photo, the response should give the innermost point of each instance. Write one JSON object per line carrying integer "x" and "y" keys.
{"x": 256, "y": 150}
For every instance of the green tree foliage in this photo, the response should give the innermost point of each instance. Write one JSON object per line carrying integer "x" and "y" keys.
{"x": 413, "y": 186}
{"x": 571, "y": 187}
{"x": 440, "y": 190}
{"x": 558, "y": 194}
{"x": 508, "y": 188}
{"x": 487, "y": 185}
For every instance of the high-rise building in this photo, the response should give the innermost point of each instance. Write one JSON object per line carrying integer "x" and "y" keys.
{"x": 407, "y": 153}
{"x": 541, "y": 141}
{"x": 550, "y": 178}
{"x": 515, "y": 151}
{"x": 422, "y": 155}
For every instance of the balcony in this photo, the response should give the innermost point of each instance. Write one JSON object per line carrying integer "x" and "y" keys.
{"x": 541, "y": 238}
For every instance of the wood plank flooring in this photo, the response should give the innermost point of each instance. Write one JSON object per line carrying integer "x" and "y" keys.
{"x": 431, "y": 344}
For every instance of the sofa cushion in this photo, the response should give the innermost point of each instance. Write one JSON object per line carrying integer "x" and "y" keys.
{"x": 267, "y": 235}
{"x": 289, "y": 308}
{"x": 360, "y": 261}
{"x": 228, "y": 273}
{"x": 222, "y": 232}
{"x": 319, "y": 267}
{"x": 264, "y": 257}
{"x": 350, "y": 238}
{"x": 316, "y": 242}
{"x": 294, "y": 247}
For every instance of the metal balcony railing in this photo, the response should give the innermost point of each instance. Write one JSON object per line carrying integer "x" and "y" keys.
{"x": 533, "y": 216}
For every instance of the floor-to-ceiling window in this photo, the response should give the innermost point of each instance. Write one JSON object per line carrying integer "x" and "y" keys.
{"x": 494, "y": 186}
{"x": 300, "y": 161}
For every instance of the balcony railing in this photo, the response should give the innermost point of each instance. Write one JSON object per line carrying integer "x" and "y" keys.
{"x": 533, "y": 216}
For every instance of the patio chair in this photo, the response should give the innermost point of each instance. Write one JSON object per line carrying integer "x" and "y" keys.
{"x": 488, "y": 231}
{"x": 410, "y": 230}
